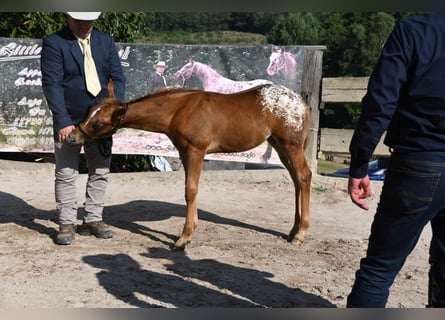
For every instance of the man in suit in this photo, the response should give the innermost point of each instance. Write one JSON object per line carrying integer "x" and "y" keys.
{"x": 157, "y": 79}
{"x": 66, "y": 85}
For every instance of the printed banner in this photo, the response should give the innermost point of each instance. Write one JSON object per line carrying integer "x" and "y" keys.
{"x": 26, "y": 121}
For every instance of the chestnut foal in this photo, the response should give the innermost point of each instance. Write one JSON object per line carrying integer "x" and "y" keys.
{"x": 200, "y": 122}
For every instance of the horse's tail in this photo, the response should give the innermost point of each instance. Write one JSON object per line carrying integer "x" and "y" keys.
{"x": 307, "y": 120}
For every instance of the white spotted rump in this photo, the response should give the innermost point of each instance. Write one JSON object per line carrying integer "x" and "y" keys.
{"x": 284, "y": 103}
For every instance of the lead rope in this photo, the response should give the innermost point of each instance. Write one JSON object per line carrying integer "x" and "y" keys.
{"x": 105, "y": 146}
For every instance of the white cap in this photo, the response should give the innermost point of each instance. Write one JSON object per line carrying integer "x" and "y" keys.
{"x": 160, "y": 64}
{"x": 87, "y": 16}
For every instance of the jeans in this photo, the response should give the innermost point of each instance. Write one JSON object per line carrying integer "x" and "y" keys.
{"x": 413, "y": 194}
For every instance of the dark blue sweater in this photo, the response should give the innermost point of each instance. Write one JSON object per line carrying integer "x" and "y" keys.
{"x": 406, "y": 93}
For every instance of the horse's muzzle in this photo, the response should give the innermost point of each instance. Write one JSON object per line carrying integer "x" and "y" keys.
{"x": 76, "y": 137}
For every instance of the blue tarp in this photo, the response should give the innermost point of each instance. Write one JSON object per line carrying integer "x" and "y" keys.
{"x": 374, "y": 172}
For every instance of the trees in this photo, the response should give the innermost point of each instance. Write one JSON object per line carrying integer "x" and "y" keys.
{"x": 353, "y": 40}
{"x": 125, "y": 27}
{"x": 299, "y": 28}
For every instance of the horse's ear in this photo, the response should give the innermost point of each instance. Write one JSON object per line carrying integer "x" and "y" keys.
{"x": 110, "y": 88}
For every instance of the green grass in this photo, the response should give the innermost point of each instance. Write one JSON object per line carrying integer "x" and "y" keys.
{"x": 319, "y": 190}
{"x": 326, "y": 166}
{"x": 207, "y": 37}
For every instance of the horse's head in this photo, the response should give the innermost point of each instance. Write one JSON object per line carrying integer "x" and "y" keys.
{"x": 276, "y": 61}
{"x": 102, "y": 121}
{"x": 186, "y": 71}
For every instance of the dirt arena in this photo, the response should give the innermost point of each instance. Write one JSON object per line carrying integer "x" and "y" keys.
{"x": 238, "y": 256}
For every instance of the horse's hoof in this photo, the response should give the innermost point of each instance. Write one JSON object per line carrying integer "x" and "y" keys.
{"x": 295, "y": 239}
{"x": 181, "y": 243}
{"x": 177, "y": 249}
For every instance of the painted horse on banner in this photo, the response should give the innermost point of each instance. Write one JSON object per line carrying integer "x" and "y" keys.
{"x": 199, "y": 122}
{"x": 213, "y": 81}
{"x": 284, "y": 62}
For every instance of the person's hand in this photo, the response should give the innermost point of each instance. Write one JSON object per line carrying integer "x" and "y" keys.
{"x": 64, "y": 132}
{"x": 359, "y": 189}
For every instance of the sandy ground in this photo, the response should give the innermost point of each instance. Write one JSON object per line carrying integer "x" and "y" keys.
{"x": 238, "y": 256}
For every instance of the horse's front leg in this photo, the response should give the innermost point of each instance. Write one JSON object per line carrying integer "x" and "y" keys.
{"x": 192, "y": 161}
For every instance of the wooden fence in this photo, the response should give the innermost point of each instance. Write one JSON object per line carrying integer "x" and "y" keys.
{"x": 342, "y": 90}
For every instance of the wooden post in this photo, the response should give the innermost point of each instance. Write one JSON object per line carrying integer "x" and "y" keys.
{"x": 310, "y": 90}
{"x": 338, "y": 91}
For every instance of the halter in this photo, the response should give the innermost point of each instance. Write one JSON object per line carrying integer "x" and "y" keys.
{"x": 84, "y": 133}
{"x": 188, "y": 69}
{"x": 280, "y": 64}
{"x": 122, "y": 120}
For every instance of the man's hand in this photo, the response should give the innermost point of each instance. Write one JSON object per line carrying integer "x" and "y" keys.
{"x": 64, "y": 132}
{"x": 359, "y": 189}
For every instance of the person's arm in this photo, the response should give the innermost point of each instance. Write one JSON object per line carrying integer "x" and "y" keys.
{"x": 380, "y": 101}
{"x": 51, "y": 65}
{"x": 378, "y": 107}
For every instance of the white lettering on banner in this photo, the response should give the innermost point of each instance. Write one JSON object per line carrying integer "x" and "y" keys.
{"x": 23, "y": 82}
{"x": 29, "y": 102}
{"x": 21, "y": 141}
{"x": 13, "y": 51}
{"x": 26, "y": 74}
{"x": 34, "y": 121}
{"x": 46, "y": 131}
{"x": 37, "y": 112}
{"x": 123, "y": 55}
{"x": 47, "y": 141}
{"x": 34, "y": 105}
{"x": 17, "y": 132}
{"x": 30, "y": 73}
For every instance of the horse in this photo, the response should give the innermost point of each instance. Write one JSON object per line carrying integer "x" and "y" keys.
{"x": 213, "y": 81}
{"x": 200, "y": 122}
{"x": 282, "y": 61}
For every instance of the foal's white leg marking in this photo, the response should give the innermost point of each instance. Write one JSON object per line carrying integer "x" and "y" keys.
{"x": 92, "y": 115}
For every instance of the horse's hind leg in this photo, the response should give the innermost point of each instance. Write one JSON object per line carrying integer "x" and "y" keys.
{"x": 192, "y": 161}
{"x": 294, "y": 160}
{"x": 303, "y": 175}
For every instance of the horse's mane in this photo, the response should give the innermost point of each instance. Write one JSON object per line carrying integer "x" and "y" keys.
{"x": 110, "y": 100}
{"x": 291, "y": 56}
{"x": 163, "y": 92}
{"x": 208, "y": 67}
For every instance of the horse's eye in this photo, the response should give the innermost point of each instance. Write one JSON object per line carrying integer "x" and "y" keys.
{"x": 98, "y": 125}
